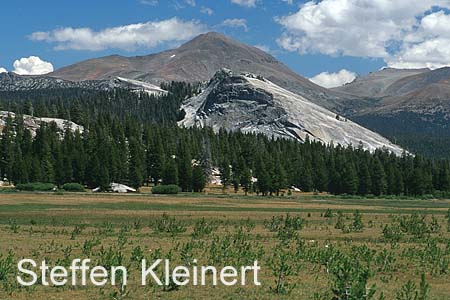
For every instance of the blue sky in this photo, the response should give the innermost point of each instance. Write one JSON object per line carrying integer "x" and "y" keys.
{"x": 344, "y": 35}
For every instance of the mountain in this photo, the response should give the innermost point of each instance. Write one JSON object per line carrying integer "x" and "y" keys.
{"x": 198, "y": 60}
{"x": 420, "y": 91}
{"x": 411, "y": 107}
{"x": 11, "y": 82}
{"x": 255, "y": 104}
{"x": 376, "y": 84}
{"x": 391, "y": 91}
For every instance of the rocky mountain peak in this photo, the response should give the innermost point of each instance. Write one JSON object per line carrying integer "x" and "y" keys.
{"x": 250, "y": 103}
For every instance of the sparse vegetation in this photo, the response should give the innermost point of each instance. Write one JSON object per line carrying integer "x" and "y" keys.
{"x": 385, "y": 251}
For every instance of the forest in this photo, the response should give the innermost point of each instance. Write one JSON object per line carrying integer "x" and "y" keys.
{"x": 133, "y": 139}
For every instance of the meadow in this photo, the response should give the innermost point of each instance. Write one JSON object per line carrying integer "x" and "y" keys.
{"x": 309, "y": 246}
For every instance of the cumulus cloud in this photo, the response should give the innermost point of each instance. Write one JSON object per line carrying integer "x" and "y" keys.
{"x": 368, "y": 28}
{"x": 428, "y": 46}
{"x": 206, "y": 10}
{"x": 32, "y": 65}
{"x": 330, "y": 80}
{"x": 127, "y": 37}
{"x": 246, "y": 3}
{"x": 3, "y": 70}
{"x": 236, "y": 23}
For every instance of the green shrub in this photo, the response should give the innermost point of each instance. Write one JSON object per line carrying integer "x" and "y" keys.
{"x": 35, "y": 186}
{"x": 166, "y": 189}
{"x": 73, "y": 187}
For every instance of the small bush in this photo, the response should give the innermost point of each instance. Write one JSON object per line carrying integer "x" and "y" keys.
{"x": 35, "y": 186}
{"x": 73, "y": 187}
{"x": 166, "y": 189}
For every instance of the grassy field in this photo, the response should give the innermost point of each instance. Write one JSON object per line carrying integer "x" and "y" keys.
{"x": 301, "y": 252}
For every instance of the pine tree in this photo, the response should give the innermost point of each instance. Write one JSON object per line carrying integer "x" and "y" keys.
{"x": 306, "y": 181}
{"x": 349, "y": 179}
{"x": 246, "y": 180}
{"x": 264, "y": 182}
{"x": 155, "y": 161}
{"x": 279, "y": 181}
{"x": 198, "y": 179}
{"x": 365, "y": 181}
{"x": 378, "y": 178}
{"x": 443, "y": 182}
{"x": 320, "y": 175}
{"x": 225, "y": 175}
{"x": 170, "y": 172}
{"x": 136, "y": 163}
{"x": 184, "y": 168}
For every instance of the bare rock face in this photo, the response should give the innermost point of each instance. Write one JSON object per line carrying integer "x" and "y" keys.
{"x": 252, "y": 103}
{"x": 34, "y": 123}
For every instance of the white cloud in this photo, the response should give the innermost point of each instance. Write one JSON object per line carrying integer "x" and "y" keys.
{"x": 368, "y": 28}
{"x": 150, "y": 2}
{"x": 127, "y": 37}
{"x": 330, "y": 80}
{"x": 191, "y": 3}
{"x": 428, "y": 46}
{"x": 32, "y": 65}
{"x": 3, "y": 70}
{"x": 207, "y": 10}
{"x": 236, "y": 23}
{"x": 290, "y": 2}
{"x": 246, "y": 3}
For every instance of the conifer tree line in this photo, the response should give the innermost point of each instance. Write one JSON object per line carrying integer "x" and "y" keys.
{"x": 82, "y": 105}
{"x": 111, "y": 150}
{"x": 135, "y": 143}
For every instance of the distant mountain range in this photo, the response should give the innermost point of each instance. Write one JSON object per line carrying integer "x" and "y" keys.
{"x": 404, "y": 104}
{"x": 411, "y": 107}
{"x": 391, "y": 91}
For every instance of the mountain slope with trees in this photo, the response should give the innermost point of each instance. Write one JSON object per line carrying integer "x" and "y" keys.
{"x": 135, "y": 148}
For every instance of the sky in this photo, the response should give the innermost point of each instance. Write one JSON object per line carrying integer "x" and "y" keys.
{"x": 328, "y": 41}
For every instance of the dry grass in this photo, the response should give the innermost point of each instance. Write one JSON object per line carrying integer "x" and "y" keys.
{"x": 46, "y": 223}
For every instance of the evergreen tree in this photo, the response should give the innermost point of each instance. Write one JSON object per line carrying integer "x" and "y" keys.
{"x": 306, "y": 180}
{"x": 136, "y": 163}
{"x": 279, "y": 181}
{"x": 246, "y": 180}
{"x": 155, "y": 161}
{"x": 365, "y": 183}
{"x": 349, "y": 179}
{"x": 198, "y": 179}
{"x": 264, "y": 182}
{"x": 185, "y": 169}
{"x": 378, "y": 178}
{"x": 170, "y": 172}
{"x": 225, "y": 175}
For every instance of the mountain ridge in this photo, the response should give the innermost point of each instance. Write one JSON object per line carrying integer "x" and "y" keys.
{"x": 197, "y": 61}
